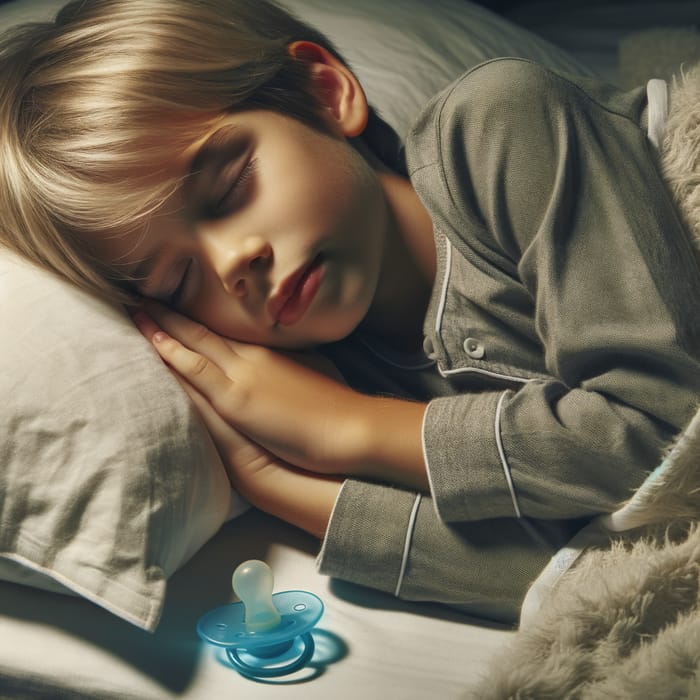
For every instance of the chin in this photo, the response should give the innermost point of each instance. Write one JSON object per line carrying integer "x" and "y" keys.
{"x": 331, "y": 330}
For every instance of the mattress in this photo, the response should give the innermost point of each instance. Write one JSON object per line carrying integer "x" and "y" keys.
{"x": 368, "y": 644}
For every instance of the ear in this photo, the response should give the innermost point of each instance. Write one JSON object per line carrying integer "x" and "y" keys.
{"x": 336, "y": 87}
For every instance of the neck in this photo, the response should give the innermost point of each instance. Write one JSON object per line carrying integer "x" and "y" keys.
{"x": 408, "y": 267}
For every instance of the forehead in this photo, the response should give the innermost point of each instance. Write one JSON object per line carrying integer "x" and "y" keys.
{"x": 164, "y": 186}
{"x": 127, "y": 251}
{"x": 194, "y": 158}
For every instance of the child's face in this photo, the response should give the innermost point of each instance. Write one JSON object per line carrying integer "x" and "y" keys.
{"x": 276, "y": 238}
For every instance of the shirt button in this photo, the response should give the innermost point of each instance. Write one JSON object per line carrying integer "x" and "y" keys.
{"x": 429, "y": 348}
{"x": 473, "y": 348}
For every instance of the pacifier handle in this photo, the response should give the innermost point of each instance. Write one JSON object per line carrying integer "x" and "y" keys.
{"x": 261, "y": 671}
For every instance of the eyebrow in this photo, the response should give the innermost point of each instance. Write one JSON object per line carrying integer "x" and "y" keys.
{"x": 211, "y": 148}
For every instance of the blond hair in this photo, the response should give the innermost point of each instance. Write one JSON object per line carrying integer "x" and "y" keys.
{"x": 97, "y": 103}
{"x": 680, "y": 149}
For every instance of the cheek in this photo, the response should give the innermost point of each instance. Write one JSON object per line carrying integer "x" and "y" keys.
{"x": 318, "y": 181}
{"x": 215, "y": 310}
{"x": 349, "y": 185}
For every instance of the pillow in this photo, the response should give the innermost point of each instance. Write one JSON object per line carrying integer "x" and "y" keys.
{"x": 405, "y": 52}
{"x": 109, "y": 481}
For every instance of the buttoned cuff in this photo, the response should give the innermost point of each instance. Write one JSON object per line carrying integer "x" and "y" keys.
{"x": 467, "y": 467}
{"x": 367, "y": 535}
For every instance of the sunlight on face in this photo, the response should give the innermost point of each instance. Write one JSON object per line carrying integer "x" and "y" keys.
{"x": 276, "y": 236}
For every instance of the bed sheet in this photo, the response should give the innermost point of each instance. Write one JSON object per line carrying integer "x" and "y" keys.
{"x": 368, "y": 644}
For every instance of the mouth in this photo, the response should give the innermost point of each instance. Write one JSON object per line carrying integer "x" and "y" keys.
{"x": 296, "y": 293}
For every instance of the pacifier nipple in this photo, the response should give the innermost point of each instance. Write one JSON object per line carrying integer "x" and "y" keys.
{"x": 252, "y": 583}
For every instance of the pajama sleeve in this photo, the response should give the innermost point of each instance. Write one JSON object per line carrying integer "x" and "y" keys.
{"x": 392, "y": 540}
{"x": 558, "y": 229}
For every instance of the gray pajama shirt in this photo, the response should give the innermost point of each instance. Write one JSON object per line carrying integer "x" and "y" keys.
{"x": 562, "y": 338}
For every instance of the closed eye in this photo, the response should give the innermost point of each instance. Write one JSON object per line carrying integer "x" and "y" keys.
{"x": 175, "y": 296}
{"x": 239, "y": 190}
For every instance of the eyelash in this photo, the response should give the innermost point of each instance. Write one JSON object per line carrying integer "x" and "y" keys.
{"x": 218, "y": 209}
{"x": 243, "y": 179}
{"x": 176, "y": 295}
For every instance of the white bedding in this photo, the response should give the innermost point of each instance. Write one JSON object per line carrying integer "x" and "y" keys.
{"x": 369, "y": 645}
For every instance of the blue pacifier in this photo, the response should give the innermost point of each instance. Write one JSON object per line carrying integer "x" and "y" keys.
{"x": 264, "y": 635}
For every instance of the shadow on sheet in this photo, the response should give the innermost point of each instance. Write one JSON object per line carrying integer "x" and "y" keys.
{"x": 169, "y": 656}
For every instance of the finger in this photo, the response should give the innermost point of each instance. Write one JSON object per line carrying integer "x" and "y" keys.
{"x": 212, "y": 420}
{"x": 196, "y": 369}
{"x": 145, "y": 324}
{"x": 192, "y": 335}
{"x": 218, "y": 428}
{"x": 235, "y": 449}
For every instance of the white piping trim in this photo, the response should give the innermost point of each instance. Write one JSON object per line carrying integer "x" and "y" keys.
{"x": 424, "y": 446}
{"x": 322, "y": 551}
{"x": 443, "y": 291}
{"x": 502, "y": 455}
{"x": 438, "y": 325}
{"x": 426, "y": 462}
{"x": 407, "y": 543}
{"x": 488, "y": 373}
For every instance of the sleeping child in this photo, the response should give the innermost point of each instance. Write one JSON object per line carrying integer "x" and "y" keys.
{"x": 443, "y": 359}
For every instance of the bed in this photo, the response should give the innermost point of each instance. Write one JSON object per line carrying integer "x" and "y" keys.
{"x": 368, "y": 645}
{"x": 64, "y": 635}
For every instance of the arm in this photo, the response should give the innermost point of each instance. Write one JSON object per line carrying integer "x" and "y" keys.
{"x": 393, "y": 540}
{"x": 390, "y": 448}
{"x": 281, "y": 402}
{"x": 301, "y": 498}
{"x": 375, "y": 535}
{"x": 570, "y": 243}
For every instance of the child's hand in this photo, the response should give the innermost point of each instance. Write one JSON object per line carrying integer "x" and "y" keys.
{"x": 247, "y": 464}
{"x": 301, "y": 498}
{"x": 301, "y": 415}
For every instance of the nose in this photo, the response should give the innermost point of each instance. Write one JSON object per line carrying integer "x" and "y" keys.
{"x": 238, "y": 263}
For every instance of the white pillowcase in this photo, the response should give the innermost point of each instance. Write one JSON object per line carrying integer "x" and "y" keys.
{"x": 108, "y": 480}
{"x": 404, "y": 52}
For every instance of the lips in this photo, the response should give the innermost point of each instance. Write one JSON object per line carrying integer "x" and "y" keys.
{"x": 296, "y": 293}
